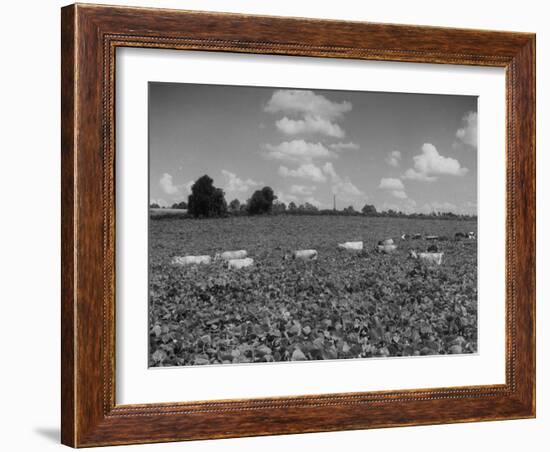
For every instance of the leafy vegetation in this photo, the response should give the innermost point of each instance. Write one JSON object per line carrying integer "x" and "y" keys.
{"x": 344, "y": 305}
{"x": 205, "y": 199}
{"x": 261, "y": 201}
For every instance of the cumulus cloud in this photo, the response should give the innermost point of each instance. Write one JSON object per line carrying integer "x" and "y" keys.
{"x": 310, "y": 125}
{"x": 395, "y": 187}
{"x": 344, "y": 146}
{"x": 393, "y": 158}
{"x": 306, "y": 102}
{"x": 287, "y": 198}
{"x": 307, "y": 171}
{"x": 235, "y": 184}
{"x": 399, "y": 194}
{"x": 167, "y": 184}
{"x": 416, "y": 175}
{"x": 298, "y": 151}
{"x": 330, "y": 171}
{"x": 188, "y": 186}
{"x": 390, "y": 183}
{"x": 343, "y": 187}
{"x": 468, "y": 133}
{"x": 429, "y": 165}
{"x": 302, "y": 190}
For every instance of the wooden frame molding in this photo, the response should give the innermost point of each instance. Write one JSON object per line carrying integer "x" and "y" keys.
{"x": 90, "y": 36}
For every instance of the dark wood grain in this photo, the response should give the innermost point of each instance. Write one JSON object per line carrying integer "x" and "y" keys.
{"x": 67, "y": 226}
{"x": 90, "y": 36}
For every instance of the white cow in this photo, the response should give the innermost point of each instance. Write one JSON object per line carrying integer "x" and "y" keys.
{"x": 351, "y": 246}
{"x": 240, "y": 263}
{"x": 471, "y": 235}
{"x": 191, "y": 260}
{"x": 307, "y": 255}
{"x": 227, "y": 255}
{"x": 428, "y": 258}
{"x": 386, "y": 249}
{"x": 386, "y": 246}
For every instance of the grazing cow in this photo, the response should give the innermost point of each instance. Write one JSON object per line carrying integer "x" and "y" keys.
{"x": 405, "y": 236}
{"x": 307, "y": 255}
{"x": 386, "y": 246}
{"x": 428, "y": 258}
{"x": 351, "y": 246}
{"x": 237, "y": 264}
{"x": 191, "y": 260}
{"x": 227, "y": 255}
{"x": 471, "y": 235}
{"x": 386, "y": 249}
{"x": 432, "y": 237}
{"x": 460, "y": 235}
{"x": 417, "y": 236}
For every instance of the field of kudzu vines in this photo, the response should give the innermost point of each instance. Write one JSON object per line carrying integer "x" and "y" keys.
{"x": 344, "y": 305}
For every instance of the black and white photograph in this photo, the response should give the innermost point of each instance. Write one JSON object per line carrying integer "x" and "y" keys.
{"x": 305, "y": 224}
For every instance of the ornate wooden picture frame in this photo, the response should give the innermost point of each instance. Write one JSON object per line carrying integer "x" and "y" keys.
{"x": 90, "y": 37}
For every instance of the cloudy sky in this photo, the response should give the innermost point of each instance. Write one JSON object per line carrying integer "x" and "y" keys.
{"x": 409, "y": 152}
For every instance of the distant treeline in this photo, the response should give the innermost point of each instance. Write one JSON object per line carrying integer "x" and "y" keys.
{"x": 207, "y": 201}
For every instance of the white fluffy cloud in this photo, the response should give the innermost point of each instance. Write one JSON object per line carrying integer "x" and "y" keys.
{"x": 393, "y": 158}
{"x": 167, "y": 184}
{"x": 298, "y": 151}
{"x": 429, "y": 165}
{"x": 468, "y": 133}
{"x": 235, "y": 184}
{"x": 416, "y": 175}
{"x": 307, "y": 171}
{"x": 399, "y": 194}
{"x": 287, "y": 198}
{"x": 394, "y": 185}
{"x": 350, "y": 146}
{"x": 188, "y": 186}
{"x": 390, "y": 183}
{"x": 310, "y": 125}
{"x": 342, "y": 187}
{"x": 306, "y": 102}
{"x": 330, "y": 171}
{"x": 302, "y": 190}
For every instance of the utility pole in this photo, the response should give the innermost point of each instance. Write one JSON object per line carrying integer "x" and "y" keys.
{"x": 334, "y": 202}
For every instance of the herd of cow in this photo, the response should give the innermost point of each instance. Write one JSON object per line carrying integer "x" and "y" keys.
{"x": 239, "y": 259}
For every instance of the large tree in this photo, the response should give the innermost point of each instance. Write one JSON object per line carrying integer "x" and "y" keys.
{"x": 235, "y": 205}
{"x": 261, "y": 201}
{"x": 206, "y": 200}
{"x": 369, "y": 209}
